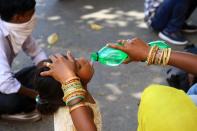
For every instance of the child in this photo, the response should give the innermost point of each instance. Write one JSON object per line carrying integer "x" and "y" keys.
{"x": 49, "y": 100}
{"x": 17, "y": 21}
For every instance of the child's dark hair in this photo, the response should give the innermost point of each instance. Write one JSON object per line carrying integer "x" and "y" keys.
{"x": 50, "y": 93}
{"x": 9, "y": 8}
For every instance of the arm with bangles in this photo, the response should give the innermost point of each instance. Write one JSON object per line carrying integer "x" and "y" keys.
{"x": 138, "y": 50}
{"x": 82, "y": 116}
{"x": 64, "y": 71}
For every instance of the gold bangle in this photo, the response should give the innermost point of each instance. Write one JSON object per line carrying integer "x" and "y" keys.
{"x": 74, "y": 86}
{"x": 149, "y": 55}
{"x": 154, "y": 54}
{"x": 74, "y": 94}
{"x": 71, "y": 78}
{"x": 71, "y": 85}
{"x": 165, "y": 57}
{"x": 67, "y": 93}
{"x": 158, "y": 54}
{"x": 76, "y": 106}
{"x": 168, "y": 56}
{"x": 160, "y": 58}
{"x": 72, "y": 81}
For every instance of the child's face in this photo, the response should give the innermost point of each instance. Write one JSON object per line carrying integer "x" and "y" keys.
{"x": 84, "y": 70}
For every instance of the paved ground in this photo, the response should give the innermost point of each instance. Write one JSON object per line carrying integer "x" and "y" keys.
{"x": 115, "y": 88}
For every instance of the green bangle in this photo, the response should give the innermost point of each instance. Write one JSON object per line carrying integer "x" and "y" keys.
{"x": 71, "y": 86}
{"x": 73, "y": 98}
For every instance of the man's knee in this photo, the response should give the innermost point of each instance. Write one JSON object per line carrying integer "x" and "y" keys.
{"x": 15, "y": 103}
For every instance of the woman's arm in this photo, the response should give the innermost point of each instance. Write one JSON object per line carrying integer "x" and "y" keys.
{"x": 138, "y": 50}
{"x": 185, "y": 61}
{"x": 83, "y": 120}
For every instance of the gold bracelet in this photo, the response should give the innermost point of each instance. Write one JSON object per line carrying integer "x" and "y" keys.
{"x": 160, "y": 58}
{"x": 149, "y": 55}
{"x": 168, "y": 56}
{"x": 154, "y": 54}
{"x": 67, "y": 88}
{"x": 67, "y": 93}
{"x": 71, "y": 85}
{"x": 74, "y": 94}
{"x": 165, "y": 57}
{"x": 156, "y": 61}
{"x": 76, "y": 106}
{"x": 71, "y": 78}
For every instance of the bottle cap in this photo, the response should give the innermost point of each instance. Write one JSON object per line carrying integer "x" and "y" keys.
{"x": 94, "y": 56}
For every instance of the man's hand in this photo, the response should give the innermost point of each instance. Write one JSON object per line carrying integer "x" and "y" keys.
{"x": 28, "y": 92}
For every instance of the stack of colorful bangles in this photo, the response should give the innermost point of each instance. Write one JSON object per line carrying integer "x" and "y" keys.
{"x": 158, "y": 56}
{"x": 74, "y": 94}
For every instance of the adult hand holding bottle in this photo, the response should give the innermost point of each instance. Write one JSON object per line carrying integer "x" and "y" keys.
{"x": 136, "y": 49}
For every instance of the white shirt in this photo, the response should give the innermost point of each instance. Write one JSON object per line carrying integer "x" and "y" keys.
{"x": 150, "y": 7}
{"x": 9, "y": 84}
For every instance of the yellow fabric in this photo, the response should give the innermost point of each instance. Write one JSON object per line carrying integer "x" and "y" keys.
{"x": 63, "y": 120}
{"x": 164, "y": 108}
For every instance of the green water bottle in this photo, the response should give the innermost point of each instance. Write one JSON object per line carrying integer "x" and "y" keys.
{"x": 109, "y": 56}
{"x": 114, "y": 57}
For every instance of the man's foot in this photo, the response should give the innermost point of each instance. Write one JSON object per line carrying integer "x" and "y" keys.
{"x": 189, "y": 28}
{"x": 173, "y": 38}
{"x": 22, "y": 117}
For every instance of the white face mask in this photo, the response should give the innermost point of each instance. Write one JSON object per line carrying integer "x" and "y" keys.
{"x": 18, "y": 33}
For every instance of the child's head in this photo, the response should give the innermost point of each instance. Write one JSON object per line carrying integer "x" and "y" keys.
{"x": 17, "y": 11}
{"x": 50, "y": 92}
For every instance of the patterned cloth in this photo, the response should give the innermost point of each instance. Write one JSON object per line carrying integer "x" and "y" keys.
{"x": 63, "y": 120}
{"x": 150, "y": 7}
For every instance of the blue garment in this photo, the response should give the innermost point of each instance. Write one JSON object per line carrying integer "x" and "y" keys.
{"x": 172, "y": 14}
{"x": 192, "y": 92}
